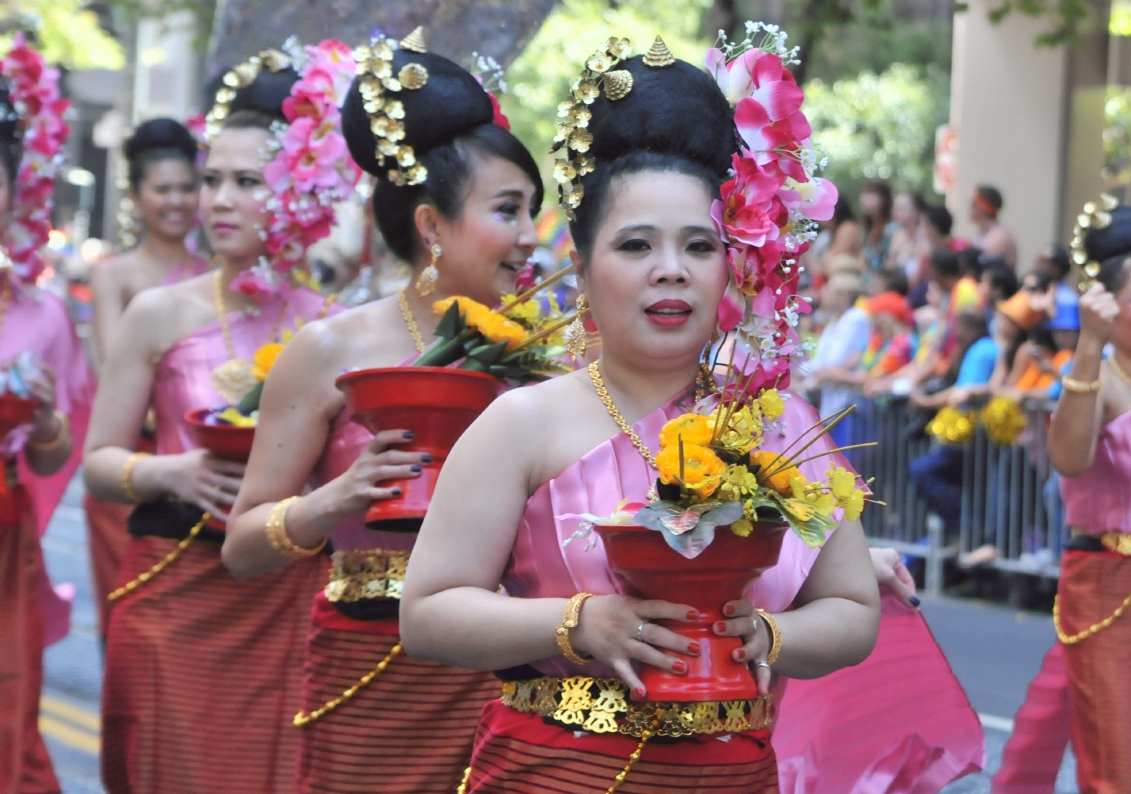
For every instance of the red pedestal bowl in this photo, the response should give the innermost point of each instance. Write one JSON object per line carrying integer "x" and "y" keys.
{"x": 718, "y": 575}
{"x": 437, "y": 405}
{"x": 227, "y": 442}
{"x": 15, "y": 411}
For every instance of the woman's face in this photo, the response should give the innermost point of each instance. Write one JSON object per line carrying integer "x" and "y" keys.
{"x": 657, "y": 270}
{"x": 904, "y": 213}
{"x": 233, "y": 194}
{"x": 486, "y": 247}
{"x": 871, "y": 203}
{"x": 168, "y": 198}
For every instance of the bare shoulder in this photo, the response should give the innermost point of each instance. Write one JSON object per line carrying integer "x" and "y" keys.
{"x": 158, "y": 317}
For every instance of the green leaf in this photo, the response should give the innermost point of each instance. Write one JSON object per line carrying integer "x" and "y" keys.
{"x": 452, "y": 323}
{"x": 250, "y": 401}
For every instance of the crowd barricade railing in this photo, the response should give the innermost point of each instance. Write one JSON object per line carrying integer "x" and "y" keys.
{"x": 1010, "y": 498}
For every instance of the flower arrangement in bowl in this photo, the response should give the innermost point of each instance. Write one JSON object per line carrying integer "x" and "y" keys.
{"x": 17, "y": 404}
{"x": 478, "y": 351}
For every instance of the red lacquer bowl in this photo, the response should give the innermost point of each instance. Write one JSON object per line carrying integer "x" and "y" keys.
{"x": 437, "y": 404}
{"x": 718, "y": 575}
{"x": 15, "y": 411}
{"x": 227, "y": 442}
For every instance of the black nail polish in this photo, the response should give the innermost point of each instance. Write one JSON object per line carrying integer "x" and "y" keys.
{"x": 416, "y": 469}
{"x": 425, "y": 458}
{"x": 409, "y": 435}
{"x": 915, "y": 601}
{"x": 396, "y": 492}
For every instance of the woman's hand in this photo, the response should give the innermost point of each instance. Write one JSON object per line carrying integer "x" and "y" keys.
{"x": 743, "y": 622}
{"x": 357, "y": 487}
{"x": 199, "y": 477}
{"x": 1098, "y": 310}
{"x": 616, "y": 629}
{"x": 893, "y": 574}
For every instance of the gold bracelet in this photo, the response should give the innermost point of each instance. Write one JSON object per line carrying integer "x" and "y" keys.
{"x": 775, "y": 636}
{"x": 127, "y": 470}
{"x": 60, "y": 437}
{"x": 569, "y": 621}
{"x": 1079, "y": 386}
{"x": 277, "y": 532}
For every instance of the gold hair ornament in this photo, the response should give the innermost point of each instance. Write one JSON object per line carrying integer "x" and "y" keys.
{"x": 386, "y": 113}
{"x": 573, "y": 134}
{"x": 237, "y": 78}
{"x": 1093, "y": 216}
{"x": 659, "y": 56}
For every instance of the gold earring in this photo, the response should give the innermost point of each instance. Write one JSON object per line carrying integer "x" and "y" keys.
{"x": 575, "y": 335}
{"x": 426, "y": 282}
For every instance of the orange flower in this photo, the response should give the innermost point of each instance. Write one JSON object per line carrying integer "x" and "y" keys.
{"x": 692, "y": 428}
{"x": 702, "y": 468}
{"x": 498, "y": 328}
{"x": 472, "y": 311}
{"x": 264, "y": 359}
{"x": 776, "y": 472}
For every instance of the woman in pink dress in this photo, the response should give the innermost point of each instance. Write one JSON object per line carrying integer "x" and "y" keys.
{"x": 37, "y": 458}
{"x": 409, "y": 729}
{"x": 164, "y": 190}
{"x": 200, "y": 668}
{"x": 659, "y": 138}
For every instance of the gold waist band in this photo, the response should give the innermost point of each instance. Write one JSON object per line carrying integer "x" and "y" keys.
{"x": 366, "y": 573}
{"x": 601, "y": 705}
{"x": 1119, "y": 542}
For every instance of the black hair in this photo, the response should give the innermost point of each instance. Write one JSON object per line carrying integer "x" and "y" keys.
{"x": 11, "y": 149}
{"x": 945, "y": 263}
{"x": 1043, "y": 281}
{"x": 992, "y": 195}
{"x": 975, "y": 320}
{"x": 940, "y": 217}
{"x": 1114, "y": 274}
{"x": 263, "y": 98}
{"x": 1003, "y": 279}
{"x": 973, "y": 263}
{"x": 842, "y": 212}
{"x": 895, "y": 280}
{"x": 1058, "y": 258}
{"x": 154, "y": 141}
{"x": 917, "y": 200}
{"x": 447, "y": 122}
{"x": 1041, "y": 335}
{"x": 675, "y": 120}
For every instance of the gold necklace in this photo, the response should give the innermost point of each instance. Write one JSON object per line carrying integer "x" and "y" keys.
{"x": 233, "y": 379}
{"x": 410, "y": 321}
{"x": 607, "y": 400}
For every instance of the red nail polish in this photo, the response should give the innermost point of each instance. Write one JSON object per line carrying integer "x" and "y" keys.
{"x": 638, "y": 693}
{"x": 693, "y": 648}
{"x": 728, "y": 610}
{"x": 693, "y": 614}
{"x": 679, "y": 667}
{"x": 720, "y": 627}
{"x": 740, "y": 655}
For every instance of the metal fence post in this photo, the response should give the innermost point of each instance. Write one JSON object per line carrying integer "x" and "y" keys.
{"x": 936, "y": 555}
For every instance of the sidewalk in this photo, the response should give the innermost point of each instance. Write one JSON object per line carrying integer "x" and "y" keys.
{"x": 995, "y": 652}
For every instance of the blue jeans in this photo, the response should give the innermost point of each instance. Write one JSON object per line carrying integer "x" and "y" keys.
{"x": 938, "y": 481}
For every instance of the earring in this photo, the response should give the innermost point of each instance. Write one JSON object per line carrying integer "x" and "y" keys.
{"x": 575, "y": 335}
{"x": 426, "y": 281}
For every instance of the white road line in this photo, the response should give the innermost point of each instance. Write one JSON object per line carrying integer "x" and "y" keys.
{"x": 996, "y": 723}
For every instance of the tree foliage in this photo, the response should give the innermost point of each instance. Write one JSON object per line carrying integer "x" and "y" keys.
{"x": 65, "y": 31}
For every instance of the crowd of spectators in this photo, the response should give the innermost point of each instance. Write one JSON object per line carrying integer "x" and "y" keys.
{"x": 905, "y": 310}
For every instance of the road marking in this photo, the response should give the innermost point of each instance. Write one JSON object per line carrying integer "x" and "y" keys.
{"x": 996, "y": 723}
{"x": 72, "y": 737}
{"x": 70, "y": 724}
{"x": 73, "y": 713}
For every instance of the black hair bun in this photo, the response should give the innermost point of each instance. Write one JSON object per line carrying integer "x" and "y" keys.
{"x": 452, "y": 103}
{"x": 675, "y": 110}
{"x": 265, "y": 94}
{"x": 1115, "y": 240}
{"x": 9, "y": 118}
{"x": 161, "y": 134}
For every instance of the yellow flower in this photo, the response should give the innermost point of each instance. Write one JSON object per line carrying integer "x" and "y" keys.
{"x": 842, "y": 482}
{"x": 776, "y": 472}
{"x": 799, "y": 510}
{"x": 702, "y": 468}
{"x": 743, "y": 431}
{"x": 264, "y": 359}
{"x": 472, "y": 311}
{"x": 742, "y": 527}
{"x": 233, "y": 417}
{"x": 772, "y": 404}
{"x": 1004, "y": 421}
{"x": 498, "y": 328}
{"x": 798, "y": 485}
{"x": 853, "y": 506}
{"x": 692, "y": 428}
{"x": 527, "y": 311}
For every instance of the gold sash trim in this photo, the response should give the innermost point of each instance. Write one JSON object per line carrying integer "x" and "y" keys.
{"x": 366, "y": 573}
{"x": 601, "y": 705}
{"x": 1118, "y": 542}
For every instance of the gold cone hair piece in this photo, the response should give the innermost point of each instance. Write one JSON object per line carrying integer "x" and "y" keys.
{"x": 659, "y": 55}
{"x": 414, "y": 41}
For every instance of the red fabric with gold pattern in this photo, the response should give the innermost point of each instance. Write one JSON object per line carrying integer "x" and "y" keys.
{"x": 109, "y": 538}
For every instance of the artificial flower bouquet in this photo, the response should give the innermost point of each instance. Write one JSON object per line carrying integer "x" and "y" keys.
{"x": 17, "y": 403}
{"x": 1002, "y": 417}
{"x": 244, "y": 412}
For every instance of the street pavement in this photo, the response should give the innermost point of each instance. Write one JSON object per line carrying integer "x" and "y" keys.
{"x": 995, "y": 652}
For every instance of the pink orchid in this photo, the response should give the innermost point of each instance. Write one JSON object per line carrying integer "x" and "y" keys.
{"x": 814, "y": 198}
{"x": 732, "y": 308}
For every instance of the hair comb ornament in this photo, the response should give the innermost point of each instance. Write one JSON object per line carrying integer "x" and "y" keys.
{"x": 659, "y": 55}
{"x": 239, "y": 77}
{"x": 573, "y": 136}
{"x": 386, "y": 113}
{"x": 1095, "y": 217}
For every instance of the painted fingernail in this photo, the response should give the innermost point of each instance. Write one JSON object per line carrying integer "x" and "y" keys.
{"x": 728, "y": 610}
{"x": 720, "y": 627}
{"x": 425, "y": 458}
{"x": 409, "y": 435}
{"x": 693, "y": 614}
{"x": 693, "y": 648}
{"x": 740, "y": 655}
{"x": 679, "y": 667}
{"x": 915, "y": 601}
{"x": 416, "y": 470}
{"x": 396, "y": 492}
{"x": 638, "y": 693}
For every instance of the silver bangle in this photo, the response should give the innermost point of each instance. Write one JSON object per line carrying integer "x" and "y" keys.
{"x": 763, "y": 664}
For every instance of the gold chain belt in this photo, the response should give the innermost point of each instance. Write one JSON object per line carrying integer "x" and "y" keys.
{"x": 1118, "y": 542}
{"x": 366, "y": 573}
{"x": 601, "y": 705}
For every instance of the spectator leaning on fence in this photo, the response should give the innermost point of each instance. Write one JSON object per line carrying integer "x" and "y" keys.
{"x": 1012, "y": 321}
{"x": 840, "y": 347}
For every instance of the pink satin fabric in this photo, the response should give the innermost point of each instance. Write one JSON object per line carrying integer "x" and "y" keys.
{"x": 1099, "y": 500}
{"x": 193, "y": 267}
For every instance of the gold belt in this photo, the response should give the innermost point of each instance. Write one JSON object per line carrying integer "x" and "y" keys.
{"x": 1119, "y": 542}
{"x": 366, "y": 573}
{"x": 601, "y": 705}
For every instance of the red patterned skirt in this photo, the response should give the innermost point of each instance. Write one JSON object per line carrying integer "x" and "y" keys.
{"x": 1093, "y": 584}
{"x": 203, "y": 674}
{"x": 519, "y": 752}
{"x": 106, "y": 522}
{"x": 409, "y": 731}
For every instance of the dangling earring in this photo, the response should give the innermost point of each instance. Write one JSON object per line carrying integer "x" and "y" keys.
{"x": 426, "y": 281}
{"x": 575, "y": 335}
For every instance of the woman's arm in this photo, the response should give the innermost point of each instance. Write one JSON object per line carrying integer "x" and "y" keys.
{"x": 299, "y": 404}
{"x": 109, "y": 305}
{"x": 49, "y": 446}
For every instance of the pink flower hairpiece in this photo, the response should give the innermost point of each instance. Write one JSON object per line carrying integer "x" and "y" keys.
{"x": 34, "y": 92}
{"x": 767, "y": 211}
{"x": 311, "y": 168}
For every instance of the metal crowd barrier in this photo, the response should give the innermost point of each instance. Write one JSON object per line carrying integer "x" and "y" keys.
{"x": 1009, "y": 494}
